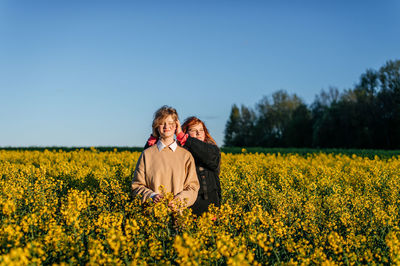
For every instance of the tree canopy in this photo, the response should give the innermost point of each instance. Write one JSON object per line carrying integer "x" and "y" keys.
{"x": 366, "y": 116}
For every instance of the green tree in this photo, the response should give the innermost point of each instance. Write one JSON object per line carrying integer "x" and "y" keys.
{"x": 298, "y": 132}
{"x": 388, "y": 105}
{"x": 232, "y": 127}
{"x": 239, "y": 129}
{"x": 366, "y": 116}
{"x": 274, "y": 116}
{"x": 320, "y": 116}
{"x": 246, "y": 135}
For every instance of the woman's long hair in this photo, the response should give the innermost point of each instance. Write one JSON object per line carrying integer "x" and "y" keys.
{"x": 191, "y": 121}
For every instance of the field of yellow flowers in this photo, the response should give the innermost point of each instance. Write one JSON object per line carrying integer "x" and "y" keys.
{"x": 75, "y": 207}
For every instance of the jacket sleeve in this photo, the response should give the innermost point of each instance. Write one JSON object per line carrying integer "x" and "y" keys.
{"x": 150, "y": 142}
{"x": 191, "y": 184}
{"x": 206, "y": 153}
{"x": 219, "y": 189}
{"x": 139, "y": 186}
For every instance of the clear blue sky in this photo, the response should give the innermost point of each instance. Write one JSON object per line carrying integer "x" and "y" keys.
{"x": 89, "y": 73}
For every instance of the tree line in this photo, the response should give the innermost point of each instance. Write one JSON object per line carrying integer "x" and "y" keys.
{"x": 364, "y": 117}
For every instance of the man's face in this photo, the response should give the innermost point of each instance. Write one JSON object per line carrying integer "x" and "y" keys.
{"x": 167, "y": 128}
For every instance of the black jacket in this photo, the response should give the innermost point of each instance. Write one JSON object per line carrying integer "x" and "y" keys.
{"x": 207, "y": 158}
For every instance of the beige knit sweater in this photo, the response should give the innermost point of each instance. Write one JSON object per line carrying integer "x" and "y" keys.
{"x": 175, "y": 170}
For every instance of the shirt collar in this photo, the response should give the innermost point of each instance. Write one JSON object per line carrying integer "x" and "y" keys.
{"x": 161, "y": 145}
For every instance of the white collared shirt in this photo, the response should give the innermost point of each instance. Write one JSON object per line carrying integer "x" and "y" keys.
{"x": 161, "y": 145}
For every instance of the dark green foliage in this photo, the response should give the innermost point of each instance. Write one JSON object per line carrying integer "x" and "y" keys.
{"x": 382, "y": 154}
{"x": 61, "y": 148}
{"x": 232, "y": 127}
{"x": 242, "y": 118}
{"x": 91, "y": 184}
{"x": 365, "y": 117}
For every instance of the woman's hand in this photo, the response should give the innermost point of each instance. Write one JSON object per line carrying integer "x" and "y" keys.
{"x": 178, "y": 127}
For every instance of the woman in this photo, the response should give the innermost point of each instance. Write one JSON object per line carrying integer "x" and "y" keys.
{"x": 194, "y": 136}
{"x": 166, "y": 164}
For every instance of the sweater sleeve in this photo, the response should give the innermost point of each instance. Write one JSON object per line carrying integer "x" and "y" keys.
{"x": 206, "y": 153}
{"x": 139, "y": 186}
{"x": 191, "y": 184}
{"x": 150, "y": 142}
{"x": 182, "y": 137}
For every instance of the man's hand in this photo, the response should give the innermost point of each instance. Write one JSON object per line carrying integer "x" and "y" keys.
{"x": 172, "y": 205}
{"x": 157, "y": 198}
{"x": 175, "y": 204}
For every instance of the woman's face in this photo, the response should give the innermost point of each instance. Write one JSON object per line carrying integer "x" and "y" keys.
{"x": 197, "y": 131}
{"x": 167, "y": 128}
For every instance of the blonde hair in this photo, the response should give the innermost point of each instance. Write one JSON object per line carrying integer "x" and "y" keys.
{"x": 160, "y": 115}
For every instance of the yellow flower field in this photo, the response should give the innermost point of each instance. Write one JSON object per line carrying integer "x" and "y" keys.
{"x": 76, "y": 208}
